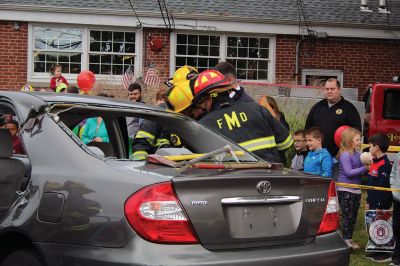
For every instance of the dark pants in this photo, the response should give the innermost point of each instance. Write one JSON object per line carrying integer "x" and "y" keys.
{"x": 396, "y": 229}
{"x": 349, "y": 204}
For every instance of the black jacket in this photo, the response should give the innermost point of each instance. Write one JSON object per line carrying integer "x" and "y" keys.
{"x": 149, "y": 138}
{"x": 250, "y": 125}
{"x": 343, "y": 113}
{"x": 379, "y": 176}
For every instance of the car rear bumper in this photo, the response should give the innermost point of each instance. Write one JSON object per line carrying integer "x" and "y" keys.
{"x": 325, "y": 250}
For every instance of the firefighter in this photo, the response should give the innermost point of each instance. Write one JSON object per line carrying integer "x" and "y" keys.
{"x": 151, "y": 136}
{"x": 250, "y": 125}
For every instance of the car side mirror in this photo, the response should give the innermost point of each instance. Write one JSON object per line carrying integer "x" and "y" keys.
{"x": 97, "y": 151}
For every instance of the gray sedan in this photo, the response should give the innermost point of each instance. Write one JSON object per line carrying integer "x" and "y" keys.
{"x": 205, "y": 201}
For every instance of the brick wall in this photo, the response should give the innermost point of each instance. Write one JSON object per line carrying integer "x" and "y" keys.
{"x": 13, "y": 55}
{"x": 362, "y": 61}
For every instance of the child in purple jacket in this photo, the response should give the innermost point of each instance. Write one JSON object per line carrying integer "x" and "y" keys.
{"x": 350, "y": 170}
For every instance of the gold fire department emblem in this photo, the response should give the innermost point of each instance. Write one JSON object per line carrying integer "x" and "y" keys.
{"x": 339, "y": 111}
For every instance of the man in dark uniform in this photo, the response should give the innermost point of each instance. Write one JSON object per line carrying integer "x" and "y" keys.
{"x": 331, "y": 113}
{"x": 250, "y": 125}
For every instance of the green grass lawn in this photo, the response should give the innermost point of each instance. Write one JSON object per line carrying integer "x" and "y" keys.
{"x": 360, "y": 236}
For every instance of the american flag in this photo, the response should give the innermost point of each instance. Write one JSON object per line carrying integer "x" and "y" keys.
{"x": 152, "y": 78}
{"x": 128, "y": 78}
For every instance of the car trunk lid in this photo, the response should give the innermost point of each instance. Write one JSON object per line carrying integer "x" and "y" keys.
{"x": 251, "y": 208}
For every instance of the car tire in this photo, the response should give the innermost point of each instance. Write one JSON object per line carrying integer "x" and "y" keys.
{"x": 25, "y": 257}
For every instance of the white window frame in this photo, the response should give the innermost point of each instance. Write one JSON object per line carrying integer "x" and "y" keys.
{"x": 223, "y": 49}
{"x": 43, "y": 79}
{"x": 321, "y": 72}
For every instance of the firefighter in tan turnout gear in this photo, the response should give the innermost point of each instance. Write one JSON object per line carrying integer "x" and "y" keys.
{"x": 250, "y": 125}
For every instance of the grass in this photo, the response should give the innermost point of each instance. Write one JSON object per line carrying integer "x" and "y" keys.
{"x": 360, "y": 237}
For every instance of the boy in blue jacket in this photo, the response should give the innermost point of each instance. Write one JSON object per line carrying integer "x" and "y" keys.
{"x": 318, "y": 161}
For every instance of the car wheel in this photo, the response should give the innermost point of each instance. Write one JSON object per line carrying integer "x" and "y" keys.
{"x": 25, "y": 257}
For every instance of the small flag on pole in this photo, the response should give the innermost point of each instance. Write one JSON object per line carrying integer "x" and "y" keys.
{"x": 152, "y": 78}
{"x": 128, "y": 78}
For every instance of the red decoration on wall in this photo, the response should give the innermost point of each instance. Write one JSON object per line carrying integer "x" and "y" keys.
{"x": 156, "y": 44}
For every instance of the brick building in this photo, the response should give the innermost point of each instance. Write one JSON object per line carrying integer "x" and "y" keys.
{"x": 279, "y": 41}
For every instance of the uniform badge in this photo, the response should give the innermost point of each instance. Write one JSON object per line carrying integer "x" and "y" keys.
{"x": 339, "y": 111}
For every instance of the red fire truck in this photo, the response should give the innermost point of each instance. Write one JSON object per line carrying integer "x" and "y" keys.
{"x": 382, "y": 111}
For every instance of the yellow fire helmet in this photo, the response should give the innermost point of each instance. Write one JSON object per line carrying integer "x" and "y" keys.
{"x": 180, "y": 96}
{"x": 27, "y": 88}
{"x": 184, "y": 73}
{"x": 61, "y": 87}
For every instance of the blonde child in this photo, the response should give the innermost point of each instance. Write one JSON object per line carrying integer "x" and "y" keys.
{"x": 350, "y": 170}
{"x": 56, "y": 78}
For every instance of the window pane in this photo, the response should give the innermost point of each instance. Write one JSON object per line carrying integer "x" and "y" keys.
{"x": 253, "y": 42}
{"x": 241, "y": 64}
{"x": 232, "y": 52}
{"x": 241, "y": 73}
{"x": 192, "y": 50}
{"x": 106, "y": 36}
{"x": 129, "y": 48}
{"x": 203, "y": 50}
{"x": 242, "y": 52}
{"x": 193, "y": 39}
{"x": 204, "y": 40}
{"x": 40, "y": 44}
{"x": 243, "y": 42}
{"x": 264, "y": 43}
{"x": 117, "y": 70}
{"x": 264, "y": 53}
{"x": 191, "y": 61}
{"x": 214, "y": 51}
{"x": 118, "y": 47}
{"x": 232, "y": 41}
{"x": 214, "y": 40}
{"x": 95, "y": 46}
{"x": 94, "y": 35}
{"x": 181, "y": 49}
{"x": 63, "y": 58}
{"x": 106, "y": 47}
{"x": 182, "y": 39}
{"x": 39, "y": 67}
{"x": 180, "y": 61}
{"x": 263, "y": 65}
{"x": 117, "y": 59}
{"x": 65, "y": 68}
{"x": 94, "y": 68}
{"x": 105, "y": 59}
{"x": 94, "y": 58}
{"x": 51, "y": 58}
{"x": 76, "y": 58}
{"x": 130, "y": 37}
{"x": 118, "y": 37}
{"x": 213, "y": 62}
{"x": 105, "y": 69}
{"x": 75, "y": 68}
{"x": 391, "y": 108}
{"x": 262, "y": 74}
{"x": 253, "y": 53}
{"x": 40, "y": 57}
{"x": 203, "y": 62}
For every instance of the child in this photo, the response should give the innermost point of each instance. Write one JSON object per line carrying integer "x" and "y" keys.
{"x": 300, "y": 145}
{"x": 395, "y": 183}
{"x": 379, "y": 176}
{"x": 13, "y": 126}
{"x": 350, "y": 170}
{"x": 56, "y": 79}
{"x": 318, "y": 160}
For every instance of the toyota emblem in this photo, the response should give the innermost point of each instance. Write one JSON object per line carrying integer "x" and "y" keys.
{"x": 264, "y": 187}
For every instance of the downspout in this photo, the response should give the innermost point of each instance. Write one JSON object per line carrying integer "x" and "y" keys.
{"x": 296, "y": 72}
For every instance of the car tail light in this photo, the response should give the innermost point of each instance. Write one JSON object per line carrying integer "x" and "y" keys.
{"x": 155, "y": 213}
{"x": 330, "y": 221}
